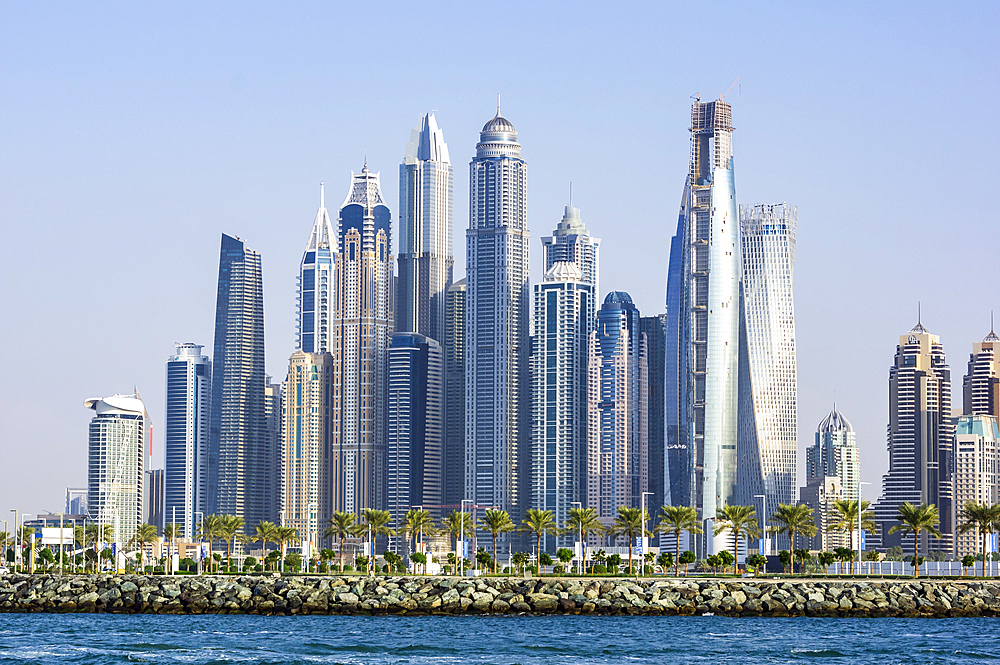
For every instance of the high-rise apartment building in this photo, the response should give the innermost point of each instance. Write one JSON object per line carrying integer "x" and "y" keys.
{"x": 572, "y": 242}
{"x": 186, "y": 436}
{"x": 977, "y": 472}
{"x": 153, "y": 499}
{"x": 363, "y": 323}
{"x": 559, "y": 391}
{"x": 655, "y": 330}
{"x": 273, "y": 417}
{"x": 453, "y": 462}
{"x": 821, "y": 494}
{"x": 416, "y": 428}
{"x": 315, "y": 300}
{"x": 240, "y": 459}
{"x": 617, "y": 411}
{"x": 920, "y": 438}
{"x": 703, "y": 324}
{"x": 117, "y": 463}
{"x": 497, "y": 427}
{"x": 306, "y": 446}
{"x": 981, "y": 386}
{"x": 768, "y": 415}
{"x": 835, "y": 453}
{"x": 425, "y": 241}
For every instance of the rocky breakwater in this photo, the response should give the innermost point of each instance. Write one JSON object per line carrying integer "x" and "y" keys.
{"x": 129, "y": 594}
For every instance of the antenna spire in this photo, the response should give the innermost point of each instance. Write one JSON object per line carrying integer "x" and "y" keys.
{"x": 918, "y": 312}
{"x": 498, "y": 104}
{"x": 571, "y": 195}
{"x": 322, "y": 196}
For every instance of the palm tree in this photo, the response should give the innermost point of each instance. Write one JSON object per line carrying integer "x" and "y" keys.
{"x": 341, "y": 526}
{"x": 417, "y": 523}
{"x": 677, "y": 519}
{"x": 581, "y": 521}
{"x": 265, "y": 532}
{"x": 285, "y": 535}
{"x": 231, "y": 525}
{"x": 376, "y": 523}
{"x": 496, "y": 522}
{"x": 629, "y": 522}
{"x": 914, "y": 520}
{"x": 740, "y": 522}
{"x": 210, "y": 529}
{"x": 459, "y": 525}
{"x": 539, "y": 522}
{"x": 145, "y": 534}
{"x": 981, "y": 517}
{"x": 792, "y": 520}
{"x": 847, "y": 511}
{"x": 170, "y": 531}
{"x": 96, "y": 534}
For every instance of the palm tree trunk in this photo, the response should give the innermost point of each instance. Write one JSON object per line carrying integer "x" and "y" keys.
{"x": 538, "y": 551}
{"x": 791, "y": 547}
{"x": 677, "y": 554}
{"x": 985, "y": 537}
{"x": 851, "y": 541}
{"x": 736, "y": 549}
{"x": 916, "y": 557}
{"x": 494, "y": 552}
{"x": 341, "y": 553}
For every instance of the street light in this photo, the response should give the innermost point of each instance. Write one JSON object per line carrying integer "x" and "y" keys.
{"x": 17, "y": 536}
{"x": 461, "y": 534}
{"x": 583, "y": 561}
{"x": 642, "y": 538}
{"x": 859, "y": 518}
{"x": 200, "y": 524}
{"x": 763, "y": 521}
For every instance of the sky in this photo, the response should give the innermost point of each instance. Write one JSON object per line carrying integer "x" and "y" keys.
{"x": 132, "y": 135}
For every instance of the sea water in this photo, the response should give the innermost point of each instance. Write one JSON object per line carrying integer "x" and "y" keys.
{"x": 106, "y": 638}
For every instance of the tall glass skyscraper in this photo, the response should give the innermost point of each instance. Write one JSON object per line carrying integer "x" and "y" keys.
{"x": 655, "y": 330}
{"x": 315, "y": 284}
{"x": 363, "y": 323}
{"x": 835, "y": 453}
{"x": 453, "y": 488}
{"x": 416, "y": 400}
{"x": 617, "y": 409}
{"x": 920, "y": 440}
{"x": 559, "y": 391}
{"x": 768, "y": 414}
{"x": 425, "y": 221}
{"x": 703, "y": 323}
{"x": 498, "y": 315}
{"x": 241, "y": 459}
{"x": 117, "y": 461}
{"x": 186, "y": 435}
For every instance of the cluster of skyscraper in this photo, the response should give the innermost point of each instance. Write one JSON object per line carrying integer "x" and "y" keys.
{"x": 412, "y": 389}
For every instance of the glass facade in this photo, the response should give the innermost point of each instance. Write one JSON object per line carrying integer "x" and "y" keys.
{"x": 186, "y": 436}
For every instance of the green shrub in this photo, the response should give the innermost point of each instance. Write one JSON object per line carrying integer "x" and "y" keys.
{"x": 599, "y": 569}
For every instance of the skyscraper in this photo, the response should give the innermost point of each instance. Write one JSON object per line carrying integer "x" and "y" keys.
{"x": 117, "y": 461}
{"x": 306, "y": 446}
{"x": 703, "y": 322}
{"x": 362, "y": 322}
{"x": 453, "y": 464}
{"x": 153, "y": 499}
{"x": 497, "y": 321}
{"x": 768, "y": 415}
{"x": 415, "y": 434}
{"x": 835, "y": 453}
{"x": 977, "y": 471}
{"x": 425, "y": 221}
{"x": 186, "y": 436}
{"x": 315, "y": 282}
{"x": 572, "y": 242}
{"x": 240, "y": 458}
{"x": 617, "y": 410}
{"x": 981, "y": 386}
{"x": 655, "y": 330}
{"x": 559, "y": 390}
{"x": 920, "y": 437}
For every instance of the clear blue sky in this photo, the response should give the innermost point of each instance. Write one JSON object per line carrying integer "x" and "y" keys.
{"x": 132, "y": 135}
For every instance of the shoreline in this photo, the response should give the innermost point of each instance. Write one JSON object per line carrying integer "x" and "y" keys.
{"x": 418, "y": 595}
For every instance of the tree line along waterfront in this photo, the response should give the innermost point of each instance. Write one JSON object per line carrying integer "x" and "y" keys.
{"x": 224, "y": 548}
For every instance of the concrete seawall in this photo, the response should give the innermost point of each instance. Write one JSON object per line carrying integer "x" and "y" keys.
{"x": 134, "y": 594}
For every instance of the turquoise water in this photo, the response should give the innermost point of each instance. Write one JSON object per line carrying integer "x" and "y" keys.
{"x": 97, "y": 638}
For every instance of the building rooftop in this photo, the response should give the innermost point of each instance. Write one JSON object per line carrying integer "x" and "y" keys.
{"x": 835, "y": 422}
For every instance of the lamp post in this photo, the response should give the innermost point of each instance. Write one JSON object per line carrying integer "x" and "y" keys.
{"x": 583, "y": 560}
{"x": 420, "y": 537}
{"x": 642, "y": 538}
{"x": 461, "y": 534}
{"x": 6, "y": 535}
{"x": 763, "y": 522}
{"x": 17, "y": 536}
{"x": 860, "y": 511}
{"x": 200, "y": 524}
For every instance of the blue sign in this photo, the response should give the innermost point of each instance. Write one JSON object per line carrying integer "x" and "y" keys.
{"x": 861, "y": 542}
{"x": 761, "y": 545}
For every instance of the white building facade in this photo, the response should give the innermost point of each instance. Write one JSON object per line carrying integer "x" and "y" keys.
{"x": 186, "y": 437}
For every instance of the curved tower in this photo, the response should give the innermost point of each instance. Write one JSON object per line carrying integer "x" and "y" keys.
{"x": 498, "y": 311}
{"x": 703, "y": 315}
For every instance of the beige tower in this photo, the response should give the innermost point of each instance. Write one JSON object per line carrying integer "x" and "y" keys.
{"x": 981, "y": 387}
{"x": 305, "y": 446}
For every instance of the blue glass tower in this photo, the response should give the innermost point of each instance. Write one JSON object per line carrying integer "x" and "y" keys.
{"x": 316, "y": 282}
{"x": 242, "y": 478}
{"x": 186, "y": 437}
